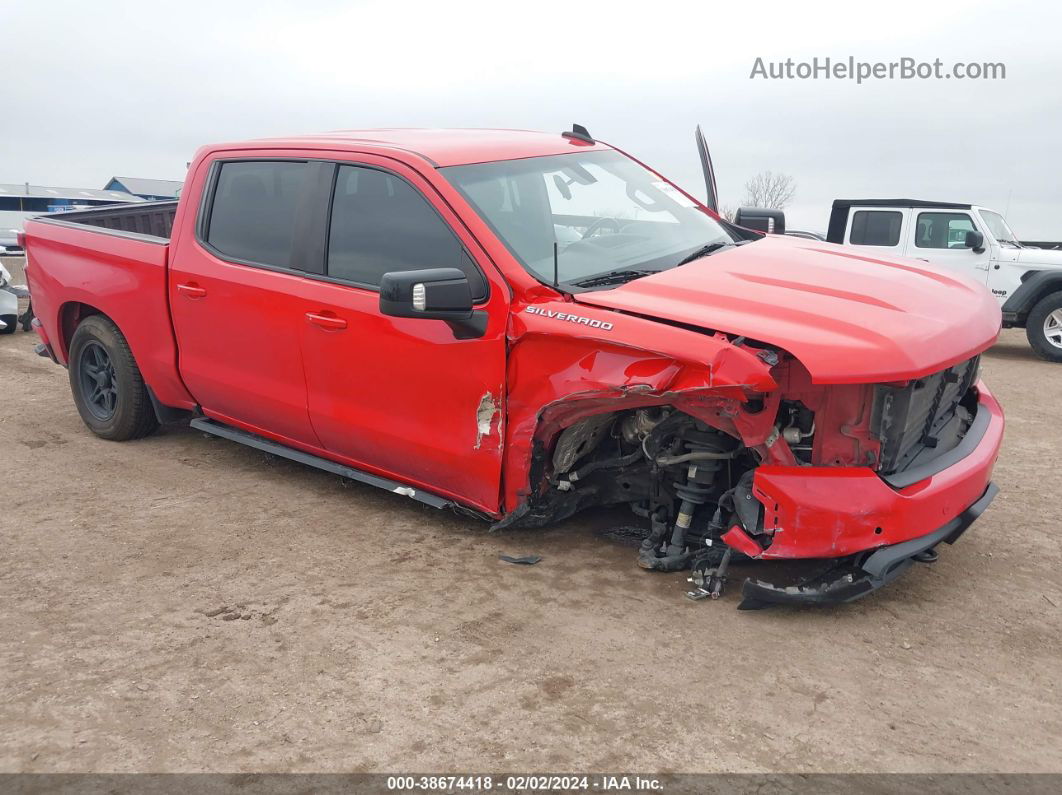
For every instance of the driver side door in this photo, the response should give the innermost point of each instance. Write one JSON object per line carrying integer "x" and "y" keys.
{"x": 939, "y": 237}
{"x": 407, "y": 398}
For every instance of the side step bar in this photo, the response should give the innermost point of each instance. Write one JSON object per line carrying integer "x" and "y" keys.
{"x": 207, "y": 425}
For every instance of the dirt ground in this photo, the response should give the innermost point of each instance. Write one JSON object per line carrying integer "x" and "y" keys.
{"x": 365, "y": 632}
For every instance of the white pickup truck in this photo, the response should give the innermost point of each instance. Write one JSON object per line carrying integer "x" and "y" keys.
{"x": 967, "y": 238}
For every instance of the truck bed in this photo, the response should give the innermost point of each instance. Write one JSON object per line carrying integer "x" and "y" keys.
{"x": 150, "y": 219}
{"x": 112, "y": 261}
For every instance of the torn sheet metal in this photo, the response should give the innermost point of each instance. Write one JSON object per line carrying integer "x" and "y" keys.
{"x": 486, "y": 412}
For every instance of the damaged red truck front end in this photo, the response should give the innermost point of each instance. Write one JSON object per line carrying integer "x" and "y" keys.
{"x": 778, "y": 399}
{"x": 850, "y": 428}
{"x": 590, "y": 335}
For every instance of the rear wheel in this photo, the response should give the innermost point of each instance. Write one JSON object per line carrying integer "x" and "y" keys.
{"x": 109, "y": 391}
{"x": 1044, "y": 327}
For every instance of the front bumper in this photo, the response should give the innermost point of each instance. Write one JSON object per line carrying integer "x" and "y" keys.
{"x": 873, "y": 528}
{"x": 835, "y": 512}
{"x": 859, "y": 575}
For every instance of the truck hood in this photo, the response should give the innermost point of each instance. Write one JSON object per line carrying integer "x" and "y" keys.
{"x": 849, "y": 318}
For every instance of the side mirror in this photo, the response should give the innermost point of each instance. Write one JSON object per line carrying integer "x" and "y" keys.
{"x": 433, "y": 294}
{"x": 976, "y": 241}
{"x": 763, "y": 220}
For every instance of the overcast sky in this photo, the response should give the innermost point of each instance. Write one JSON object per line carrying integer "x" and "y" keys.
{"x": 94, "y": 89}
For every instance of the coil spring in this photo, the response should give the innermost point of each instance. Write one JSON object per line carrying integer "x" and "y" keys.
{"x": 693, "y": 492}
{"x": 700, "y": 476}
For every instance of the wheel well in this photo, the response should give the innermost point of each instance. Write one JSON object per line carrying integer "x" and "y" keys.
{"x": 1035, "y": 286}
{"x": 70, "y": 316}
{"x": 1040, "y": 294}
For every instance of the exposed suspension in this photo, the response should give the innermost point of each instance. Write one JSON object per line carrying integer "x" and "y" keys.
{"x": 702, "y": 454}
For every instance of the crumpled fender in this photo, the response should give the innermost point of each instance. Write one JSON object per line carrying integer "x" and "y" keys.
{"x": 568, "y": 361}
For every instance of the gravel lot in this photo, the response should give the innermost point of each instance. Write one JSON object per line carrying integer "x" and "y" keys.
{"x": 365, "y": 632}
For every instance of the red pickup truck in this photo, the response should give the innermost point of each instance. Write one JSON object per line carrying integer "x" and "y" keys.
{"x": 522, "y": 325}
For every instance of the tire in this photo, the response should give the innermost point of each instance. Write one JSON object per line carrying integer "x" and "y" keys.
{"x": 12, "y": 324}
{"x": 1043, "y": 327}
{"x": 109, "y": 391}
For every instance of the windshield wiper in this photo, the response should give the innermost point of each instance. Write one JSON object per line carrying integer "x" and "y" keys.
{"x": 704, "y": 251}
{"x": 612, "y": 277}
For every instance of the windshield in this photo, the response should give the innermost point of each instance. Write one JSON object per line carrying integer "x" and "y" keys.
{"x": 605, "y": 213}
{"x": 998, "y": 227}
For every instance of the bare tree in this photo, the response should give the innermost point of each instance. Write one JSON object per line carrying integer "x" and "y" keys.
{"x": 772, "y": 191}
{"x": 727, "y": 211}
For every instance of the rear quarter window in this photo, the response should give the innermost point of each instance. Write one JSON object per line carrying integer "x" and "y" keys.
{"x": 875, "y": 228}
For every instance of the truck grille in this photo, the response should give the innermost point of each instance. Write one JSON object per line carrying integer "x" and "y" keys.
{"x": 925, "y": 419}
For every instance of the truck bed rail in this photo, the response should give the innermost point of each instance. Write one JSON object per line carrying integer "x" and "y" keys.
{"x": 151, "y": 220}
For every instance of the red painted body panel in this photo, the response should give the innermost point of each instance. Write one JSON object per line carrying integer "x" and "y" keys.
{"x": 827, "y": 512}
{"x": 561, "y": 371}
{"x": 737, "y": 538}
{"x": 402, "y": 397}
{"x": 408, "y": 409}
{"x": 313, "y": 364}
{"x": 239, "y": 343}
{"x": 847, "y": 318}
{"x": 442, "y": 147}
{"x": 396, "y": 397}
{"x": 240, "y": 353}
{"x": 123, "y": 278}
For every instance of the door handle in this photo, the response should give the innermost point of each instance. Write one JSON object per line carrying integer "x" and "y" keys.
{"x": 330, "y": 322}
{"x": 191, "y": 290}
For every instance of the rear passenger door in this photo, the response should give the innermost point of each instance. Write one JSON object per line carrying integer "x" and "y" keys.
{"x": 877, "y": 230}
{"x": 403, "y": 397}
{"x": 234, "y": 296}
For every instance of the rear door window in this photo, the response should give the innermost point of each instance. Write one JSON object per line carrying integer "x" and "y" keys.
{"x": 252, "y": 214}
{"x": 876, "y": 228}
{"x": 381, "y": 224}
